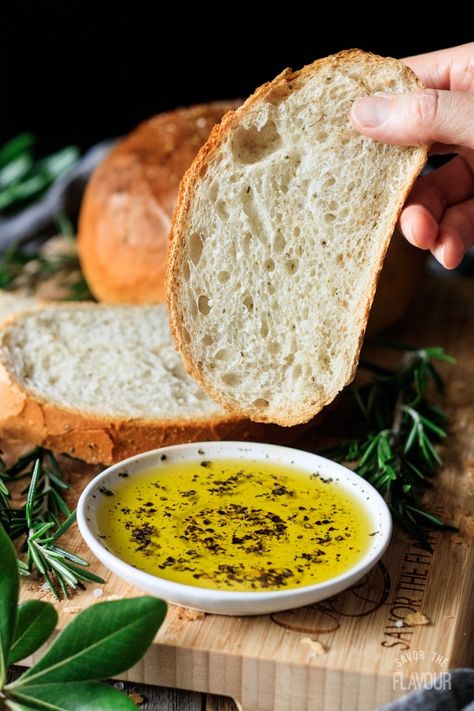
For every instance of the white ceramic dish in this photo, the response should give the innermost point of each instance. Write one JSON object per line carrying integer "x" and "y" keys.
{"x": 224, "y": 601}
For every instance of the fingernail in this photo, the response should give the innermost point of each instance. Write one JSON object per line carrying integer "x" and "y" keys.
{"x": 371, "y": 111}
{"x": 439, "y": 253}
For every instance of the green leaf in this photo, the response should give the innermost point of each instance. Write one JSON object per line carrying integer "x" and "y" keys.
{"x": 13, "y": 706}
{"x": 9, "y": 587}
{"x": 100, "y": 642}
{"x": 58, "y": 163}
{"x": 73, "y": 696}
{"x": 15, "y": 170}
{"x": 18, "y": 145}
{"x": 35, "y": 623}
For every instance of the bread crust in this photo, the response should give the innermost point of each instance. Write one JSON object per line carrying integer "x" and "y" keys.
{"x": 127, "y": 207}
{"x": 275, "y": 90}
{"x": 100, "y": 439}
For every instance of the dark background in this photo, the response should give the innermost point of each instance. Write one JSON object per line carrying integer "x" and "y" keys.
{"x": 78, "y": 72}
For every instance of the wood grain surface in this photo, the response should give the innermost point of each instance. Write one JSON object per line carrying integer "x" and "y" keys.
{"x": 355, "y": 650}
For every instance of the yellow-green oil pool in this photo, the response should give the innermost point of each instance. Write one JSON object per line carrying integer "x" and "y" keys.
{"x": 234, "y": 524}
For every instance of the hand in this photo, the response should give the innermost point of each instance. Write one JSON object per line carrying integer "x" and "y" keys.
{"x": 439, "y": 212}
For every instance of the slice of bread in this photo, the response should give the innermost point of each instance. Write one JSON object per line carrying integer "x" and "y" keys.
{"x": 127, "y": 208}
{"x": 103, "y": 383}
{"x": 279, "y": 235}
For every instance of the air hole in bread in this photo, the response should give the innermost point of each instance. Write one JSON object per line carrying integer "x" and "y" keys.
{"x": 321, "y": 136}
{"x": 264, "y": 329}
{"x": 289, "y": 359}
{"x": 297, "y": 371}
{"x": 291, "y": 266}
{"x": 221, "y": 210}
{"x": 250, "y": 145}
{"x": 195, "y": 247}
{"x": 222, "y": 354}
{"x": 269, "y": 265}
{"x": 248, "y": 302}
{"x": 329, "y": 217}
{"x": 186, "y": 272}
{"x": 213, "y": 192}
{"x": 207, "y": 340}
{"x": 296, "y": 231}
{"x": 324, "y": 361}
{"x": 246, "y": 242}
{"x": 223, "y": 277}
{"x": 274, "y": 347}
{"x": 185, "y": 334}
{"x": 339, "y": 258}
{"x": 279, "y": 243}
{"x": 204, "y": 305}
{"x": 260, "y": 403}
{"x": 328, "y": 182}
{"x": 231, "y": 379}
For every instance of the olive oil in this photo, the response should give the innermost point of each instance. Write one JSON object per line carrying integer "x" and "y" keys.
{"x": 237, "y": 525}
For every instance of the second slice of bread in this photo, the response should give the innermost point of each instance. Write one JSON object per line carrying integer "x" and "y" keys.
{"x": 103, "y": 383}
{"x": 280, "y": 232}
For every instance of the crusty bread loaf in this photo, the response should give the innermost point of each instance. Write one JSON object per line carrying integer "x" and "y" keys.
{"x": 12, "y": 304}
{"x": 280, "y": 232}
{"x": 126, "y": 212}
{"x": 103, "y": 383}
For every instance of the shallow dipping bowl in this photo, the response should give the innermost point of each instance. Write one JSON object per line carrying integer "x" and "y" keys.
{"x": 227, "y": 602}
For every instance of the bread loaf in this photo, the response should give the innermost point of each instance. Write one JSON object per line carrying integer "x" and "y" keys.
{"x": 104, "y": 382}
{"x": 127, "y": 207}
{"x": 279, "y": 235}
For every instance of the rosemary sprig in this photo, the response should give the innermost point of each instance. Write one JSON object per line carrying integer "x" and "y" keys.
{"x": 397, "y": 430}
{"x": 41, "y": 520}
{"x": 24, "y": 179}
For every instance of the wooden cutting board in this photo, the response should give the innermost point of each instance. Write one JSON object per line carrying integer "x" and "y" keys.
{"x": 355, "y": 650}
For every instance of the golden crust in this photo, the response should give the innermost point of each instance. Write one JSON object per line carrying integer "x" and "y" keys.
{"x": 127, "y": 207}
{"x": 274, "y": 90}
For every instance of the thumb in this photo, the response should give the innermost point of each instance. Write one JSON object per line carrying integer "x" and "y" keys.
{"x": 421, "y": 117}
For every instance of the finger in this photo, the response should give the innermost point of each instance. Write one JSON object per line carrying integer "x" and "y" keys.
{"x": 432, "y": 194}
{"x": 420, "y": 117}
{"x": 446, "y": 68}
{"x": 451, "y": 184}
{"x": 419, "y": 226}
{"x": 456, "y": 234}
